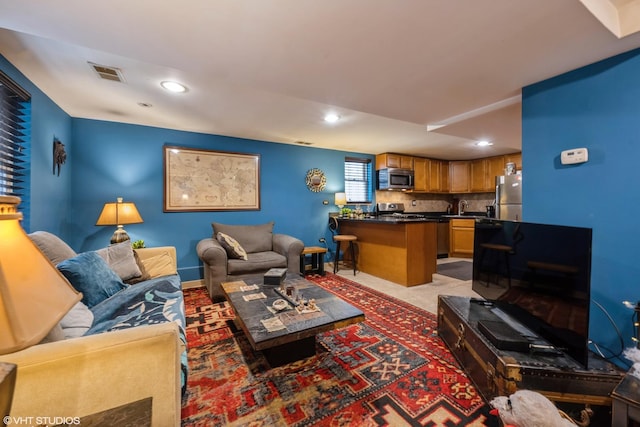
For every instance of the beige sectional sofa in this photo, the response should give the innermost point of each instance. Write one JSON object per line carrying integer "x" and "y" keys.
{"x": 118, "y": 364}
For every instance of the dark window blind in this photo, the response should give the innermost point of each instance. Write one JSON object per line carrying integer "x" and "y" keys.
{"x": 357, "y": 180}
{"x": 15, "y": 137}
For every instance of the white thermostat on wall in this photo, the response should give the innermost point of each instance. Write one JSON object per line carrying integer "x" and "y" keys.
{"x": 573, "y": 156}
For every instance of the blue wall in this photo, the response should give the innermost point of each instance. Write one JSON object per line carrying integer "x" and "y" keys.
{"x": 120, "y": 160}
{"x": 50, "y": 194}
{"x": 597, "y": 107}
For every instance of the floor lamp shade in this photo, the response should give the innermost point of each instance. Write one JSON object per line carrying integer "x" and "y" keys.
{"x": 34, "y": 295}
{"x": 119, "y": 214}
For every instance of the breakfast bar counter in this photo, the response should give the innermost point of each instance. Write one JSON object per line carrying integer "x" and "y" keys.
{"x": 402, "y": 251}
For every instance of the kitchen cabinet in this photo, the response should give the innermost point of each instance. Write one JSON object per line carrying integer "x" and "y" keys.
{"x": 435, "y": 174}
{"x": 421, "y": 174}
{"x": 459, "y": 171}
{"x": 514, "y": 158}
{"x": 427, "y": 175}
{"x": 478, "y": 175}
{"x": 444, "y": 176}
{"x": 495, "y": 167}
{"x": 392, "y": 160}
{"x": 461, "y": 234}
{"x": 484, "y": 172}
{"x": 401, "y": 252}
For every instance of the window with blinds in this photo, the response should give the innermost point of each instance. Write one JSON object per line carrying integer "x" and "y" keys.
{"x": 15, "y": 137}
{"x": 357, "y": 180}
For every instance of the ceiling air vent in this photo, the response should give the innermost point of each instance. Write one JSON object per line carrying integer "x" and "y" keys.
{"x": 304, "y": 142}
{"x": 108, "y": 73}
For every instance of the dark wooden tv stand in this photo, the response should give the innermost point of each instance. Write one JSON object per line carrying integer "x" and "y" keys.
{"x": 497, "y": 372}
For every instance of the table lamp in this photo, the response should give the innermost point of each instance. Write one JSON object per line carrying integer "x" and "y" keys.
{"x": 340, "y": 201}
{"x": 119, "y": 214}
{"x": 34, "y": 295}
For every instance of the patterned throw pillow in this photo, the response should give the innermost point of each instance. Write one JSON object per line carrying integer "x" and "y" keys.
{"x": 231, "y": 245}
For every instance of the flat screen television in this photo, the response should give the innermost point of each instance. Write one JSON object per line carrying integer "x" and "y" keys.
{"x": 539, "y": 275}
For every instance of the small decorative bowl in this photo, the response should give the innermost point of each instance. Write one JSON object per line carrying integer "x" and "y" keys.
{"x": 279, "y": 304}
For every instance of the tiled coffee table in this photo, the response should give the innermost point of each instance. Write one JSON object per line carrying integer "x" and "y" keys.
{"x": 295, "y": 339}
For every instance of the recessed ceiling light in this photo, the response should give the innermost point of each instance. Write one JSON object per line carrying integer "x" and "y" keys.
{"x": 173, "y": 86}
{"x": 483, "y": 143}
{"x": 331, "y": 118}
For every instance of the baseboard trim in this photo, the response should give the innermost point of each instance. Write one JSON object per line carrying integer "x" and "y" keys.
{"x": 190, "y": 284}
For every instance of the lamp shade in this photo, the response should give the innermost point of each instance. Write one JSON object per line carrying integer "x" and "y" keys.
{"x": 34, "y": 295}
{"x": 341, "y": 199}
{"x": 119, "y": 213}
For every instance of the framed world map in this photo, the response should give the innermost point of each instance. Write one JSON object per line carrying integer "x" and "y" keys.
{"x": 206, "y": 180}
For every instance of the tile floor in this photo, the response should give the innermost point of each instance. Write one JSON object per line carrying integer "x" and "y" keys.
{"x": 424, "y": 296}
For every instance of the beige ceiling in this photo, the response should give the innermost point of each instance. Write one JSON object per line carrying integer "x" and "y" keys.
{"x": 270, "y": 69}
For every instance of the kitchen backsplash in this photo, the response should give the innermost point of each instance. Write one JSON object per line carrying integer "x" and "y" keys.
{"x": 435, "y": 202}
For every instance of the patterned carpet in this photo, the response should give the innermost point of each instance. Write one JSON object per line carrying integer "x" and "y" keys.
{"x": 391, "y": 370}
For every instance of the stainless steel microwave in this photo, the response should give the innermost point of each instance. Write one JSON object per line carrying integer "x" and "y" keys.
{"x": 394, "y": 179}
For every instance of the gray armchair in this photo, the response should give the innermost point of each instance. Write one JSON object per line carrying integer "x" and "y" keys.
{"x": 264, "y": 250}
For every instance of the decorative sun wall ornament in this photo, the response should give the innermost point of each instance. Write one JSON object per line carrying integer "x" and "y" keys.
{"x": 316, "y": 181}
{"x": 59, "y": 155}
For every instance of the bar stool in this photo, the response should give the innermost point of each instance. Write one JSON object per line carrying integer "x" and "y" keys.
{"x": 338, "y": 239}
{"x": 501, "y": 254}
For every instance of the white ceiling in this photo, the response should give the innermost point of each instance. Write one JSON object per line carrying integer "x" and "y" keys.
{"x": 270, "y": 69}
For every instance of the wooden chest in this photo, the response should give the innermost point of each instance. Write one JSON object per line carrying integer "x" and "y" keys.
{"x": 500, "y": 373}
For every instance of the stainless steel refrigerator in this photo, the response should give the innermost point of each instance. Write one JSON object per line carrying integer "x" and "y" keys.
{"x": 509, "y": 197}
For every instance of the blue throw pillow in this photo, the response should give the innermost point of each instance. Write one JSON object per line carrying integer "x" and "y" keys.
{"x": 90, "y": 274}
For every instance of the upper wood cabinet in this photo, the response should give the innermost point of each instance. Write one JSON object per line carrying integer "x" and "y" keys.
{"x": 484, "y": 172}
{"x": 459, "y": 172}
{"x": 459, "y": 176}
{"x": 427, "y": 175}
{"x": 515, "y": 158}
{"x": 495, "y": 167}
{"x": 478, "y": 173}
{"x": 435, "y": 175}
{"x": 392, "y": 160}
{"x": 420, "y": 174}
{"x": 444, "y": 176}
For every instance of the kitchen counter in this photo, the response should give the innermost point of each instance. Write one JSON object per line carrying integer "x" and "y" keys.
{"x": 428, "y": 217}
{"x": 389, "y": 219}
{"x": 400, "y": 250}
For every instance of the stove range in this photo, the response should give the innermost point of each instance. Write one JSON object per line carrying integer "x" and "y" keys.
{"x": 396, "y": 210}
{"x": 405, "y": 215}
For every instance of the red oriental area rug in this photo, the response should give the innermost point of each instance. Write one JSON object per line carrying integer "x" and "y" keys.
{"x": 390, "y": 370}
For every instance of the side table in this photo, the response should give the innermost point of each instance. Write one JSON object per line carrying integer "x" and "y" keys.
{"x": 625, "y": 408}
{"x": 317, "y": 260}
